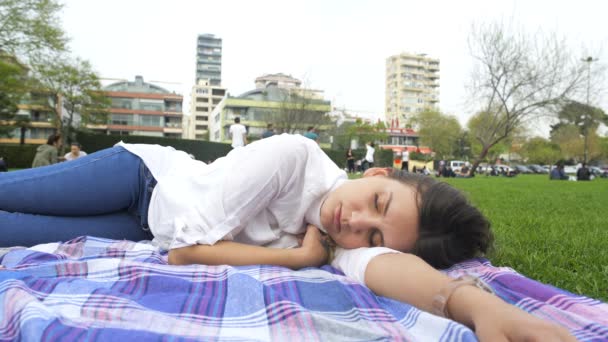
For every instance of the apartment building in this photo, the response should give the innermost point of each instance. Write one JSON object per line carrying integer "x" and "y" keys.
{"x": 203, "y": 100}
{"x": 140, "y": 108}
{"x": 412, "y": 84}
{"x": 209, "y": 59}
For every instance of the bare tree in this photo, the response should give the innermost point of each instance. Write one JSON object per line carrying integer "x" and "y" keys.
{"x": 299, "y": 109}
{"x": 518, "y": 78}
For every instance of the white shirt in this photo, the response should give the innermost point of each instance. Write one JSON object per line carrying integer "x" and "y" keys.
{"x": 405, "y": 155}
{"x": 369, "y": 156}
{"x": 70, "y": 156}
{"x": 287, "y": 179}
{"x": 238, "y": 131}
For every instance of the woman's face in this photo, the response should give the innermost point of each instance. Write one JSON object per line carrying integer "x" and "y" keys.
{"x": 372, "y": 211}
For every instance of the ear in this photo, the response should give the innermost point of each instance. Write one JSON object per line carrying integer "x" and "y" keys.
{"x": 378, "y": 171}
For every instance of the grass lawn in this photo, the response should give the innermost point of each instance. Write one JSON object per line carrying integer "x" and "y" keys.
{"x": 553, "y": 231}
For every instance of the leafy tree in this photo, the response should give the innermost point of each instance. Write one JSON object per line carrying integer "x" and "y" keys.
{"x": 13, "y": 87}
{"x": 571, "y": 142}
{"x": 539, "y": 150}
{"x": 438, "y": 131}
{"x": 30, "y": 26}
{"x": 365, "y": 132}
{"x": 516, "y": 78}
{"x": 73, "y": 86}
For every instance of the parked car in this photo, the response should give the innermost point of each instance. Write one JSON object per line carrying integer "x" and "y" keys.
{"x": 597, "y": 172}
{"x": 522, "y": 169}
{"x": 538, "y": 169}
{"x": 570, "y": 169}
{"x": 456, "y": 165}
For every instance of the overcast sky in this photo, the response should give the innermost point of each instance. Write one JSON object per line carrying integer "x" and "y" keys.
{"x": 336, "y": 46}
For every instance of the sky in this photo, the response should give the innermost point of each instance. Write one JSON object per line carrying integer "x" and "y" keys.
{"x": 332, "y": 45}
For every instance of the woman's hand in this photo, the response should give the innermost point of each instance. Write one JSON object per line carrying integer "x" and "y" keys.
{"x": 313, "y": 250}
{"x": 509, "y": 323}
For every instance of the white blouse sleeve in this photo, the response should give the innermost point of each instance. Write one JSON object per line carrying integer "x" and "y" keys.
{"x": 353, "y": 262}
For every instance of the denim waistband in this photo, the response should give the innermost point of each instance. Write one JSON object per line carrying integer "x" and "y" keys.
{"x": 147, "y": 182}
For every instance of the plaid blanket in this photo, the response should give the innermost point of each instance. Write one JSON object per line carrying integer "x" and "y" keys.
{"x": 98, "y": 289}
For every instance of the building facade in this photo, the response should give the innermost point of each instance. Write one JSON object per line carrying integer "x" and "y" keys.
{"x": 209, "y": 59}
{"x": 289, "y": 109}
{"x": 140, "y": 108}
{"x": 412, "y": 84}
{"x": 203, "y": 100}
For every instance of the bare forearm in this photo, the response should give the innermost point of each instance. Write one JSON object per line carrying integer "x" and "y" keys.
{"x": 236, "y": 254}
{"x": 409, "y": 279}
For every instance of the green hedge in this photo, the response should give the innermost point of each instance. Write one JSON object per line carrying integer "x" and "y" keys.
{"x": 202, "y": 150}
{"x": 21, "y": 156}
{"x": 18, "y": 156}
{"x": 382, "y": 157}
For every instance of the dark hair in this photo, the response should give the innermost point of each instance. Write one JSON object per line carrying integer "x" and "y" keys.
{"x": 53, "y": 138}
{"x": 269, "y": 126}
{"x": 237, "y": 119}
{"x": 450, "y": 229}
{"x": 75, "y": 144}
{"x": 310, "y": 128}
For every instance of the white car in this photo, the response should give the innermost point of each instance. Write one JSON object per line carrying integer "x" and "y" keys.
{"x": 456, "y": 165}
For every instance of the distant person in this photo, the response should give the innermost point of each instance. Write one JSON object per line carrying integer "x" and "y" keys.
{"x": 557, "y": 173}
{"x": 238, "y": 133}
{"x": 583, "y": 173}
{"x": 369, "y": 155}
{"x": 268, "y": 132}
{"x": 47, "y": 154}
{"x": 464, "y": 171}
{"x": 405, "y": 160}
{"x": 425, "y": 171}
{"x": 3, "y": 165}
{"x": 75, "y": 152}
{"x": 414, "y": 169}
{"x": 350, "y": 161}
{"x": 312, "y": 134}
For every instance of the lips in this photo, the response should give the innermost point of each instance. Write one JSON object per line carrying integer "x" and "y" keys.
{"x": 337, "y": 216}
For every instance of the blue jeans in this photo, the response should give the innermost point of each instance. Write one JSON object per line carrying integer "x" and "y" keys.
{"x": 105, "y": 194}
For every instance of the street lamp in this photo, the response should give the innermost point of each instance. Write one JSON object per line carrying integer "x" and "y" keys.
{"x": 587, "y": 60}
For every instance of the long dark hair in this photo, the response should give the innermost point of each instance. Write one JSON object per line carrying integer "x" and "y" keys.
{"x": 450, "y": 230}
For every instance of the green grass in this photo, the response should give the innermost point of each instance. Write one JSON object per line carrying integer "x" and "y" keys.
{"x": 553, "y": 231}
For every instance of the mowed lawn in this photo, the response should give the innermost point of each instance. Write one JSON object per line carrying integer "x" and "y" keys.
{"x": 553, "y": 231}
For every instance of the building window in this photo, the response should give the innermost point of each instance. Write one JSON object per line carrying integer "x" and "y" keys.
{"x": 120, "y": 119}
{"x": 202, "y": 99}
{"x": 218, "y": 92}
{"x": 202, "y": 117}
{"x": 202, "y": 91}
{"x": 151, "y": 120}
{"x": 202, "y": 109}
{"x": 201, "y": 127}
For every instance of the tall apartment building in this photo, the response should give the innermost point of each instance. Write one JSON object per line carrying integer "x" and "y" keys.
{"x": 412, "y": 84}
{"x": 203, "y": 99}
{"x": 209, "y": 59}
{"x": 140, "y": 108}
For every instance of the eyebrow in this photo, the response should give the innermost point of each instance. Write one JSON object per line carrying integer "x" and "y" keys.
{"x": 388, "y": 203}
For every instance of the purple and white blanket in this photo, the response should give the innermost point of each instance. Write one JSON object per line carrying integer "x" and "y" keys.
{"x": 99, "y": 289}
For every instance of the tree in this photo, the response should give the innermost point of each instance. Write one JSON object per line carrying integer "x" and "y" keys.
{"x": 438, "y": 131}
{"x": 13, "y": 87}
{"x": 517, "y": 78}
{"x": 299, "y": 109}
{"x": 365, "y": 132}
{"x": 73, "y": 86}
{"x": 539, "y": 150}
{"x": 30, "y": 26}
{"x": 571, "y": 142}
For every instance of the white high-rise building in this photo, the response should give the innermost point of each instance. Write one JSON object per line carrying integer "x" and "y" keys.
{"x": 412, "y": 84}
{"x": 203, "y": 99}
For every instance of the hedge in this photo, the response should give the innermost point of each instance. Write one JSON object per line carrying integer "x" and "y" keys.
{"x": 19, "y": 156}
{"x": 206, "y": 151}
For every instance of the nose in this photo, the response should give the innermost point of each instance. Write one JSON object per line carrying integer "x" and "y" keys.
{"x": 360, "y": 222}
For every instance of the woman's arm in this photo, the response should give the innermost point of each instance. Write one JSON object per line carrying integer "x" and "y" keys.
{"x": 407, "y": 278}
{"x": 312, "y": 253}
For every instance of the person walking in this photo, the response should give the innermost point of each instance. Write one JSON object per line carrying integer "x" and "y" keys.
{"x": 405, "y": 158}
{"x": 369, "y": 155}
